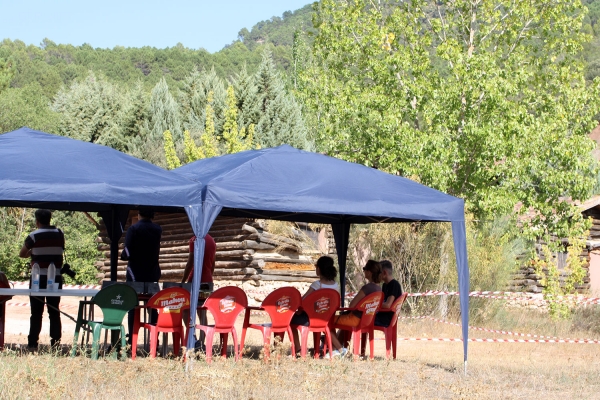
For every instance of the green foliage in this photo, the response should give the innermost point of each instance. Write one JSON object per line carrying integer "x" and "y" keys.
{"x": 27, "y": 106}
{"x": 209, "y": 142}
{"x": 247, "y": 98}
{"x": 423, "y": 258}
{"x": 90, "y": 110}
{"x": 134, "y": 115}
{"x": 192, "y": 152}
{"x": 278, "y": 31}
{"x": 170, "y": 154}
{"x": 280, "y": 115}
{"x": 7, "y": 71}
{"x": 235, "y": 140}
{"x": 164, "y": 112}
{"x": 557, "y": 281}
{"x": 14, "y": 228}
{"x": 484, "y": 100}
{"x": 80, "y": 235}
{"x": 194, "y": 98}
{"x": 81, "y": 250}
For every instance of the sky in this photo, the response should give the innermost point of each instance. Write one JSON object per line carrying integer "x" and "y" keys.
{"x": 208, "y": 24}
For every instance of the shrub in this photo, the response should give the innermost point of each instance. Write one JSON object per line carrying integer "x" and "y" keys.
{"x": 423, "y": 258}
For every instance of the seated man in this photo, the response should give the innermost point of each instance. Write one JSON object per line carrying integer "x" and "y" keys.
{"x": 391, "y": 291}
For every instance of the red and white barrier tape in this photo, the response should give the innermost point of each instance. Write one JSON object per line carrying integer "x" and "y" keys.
{"x": 17, "y": 285}
{"x": 490, "y": 330}
{"x": 486, "y": 340}
{"x": 498, "y": 295}
{"x": 17, "y": 304}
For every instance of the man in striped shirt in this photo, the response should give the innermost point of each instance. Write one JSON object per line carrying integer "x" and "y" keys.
{"x": 44, "y": 245}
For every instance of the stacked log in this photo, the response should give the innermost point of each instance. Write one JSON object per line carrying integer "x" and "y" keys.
{"x": 594, "y": 214}
{"x": 246, "y": 251}
{"x": 527, "y": 280}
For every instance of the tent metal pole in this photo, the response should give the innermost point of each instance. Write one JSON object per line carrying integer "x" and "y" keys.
{"x": 341, "y": 234}
{"x": 114, "y": 244}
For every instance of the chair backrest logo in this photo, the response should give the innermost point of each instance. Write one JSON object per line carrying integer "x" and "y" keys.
{"x": 117, "y": 301}
{"x": 173, "y": 304}
{"x": 227, "y": 304}
{"x": 283, "y": 304}
{"x": 370, "y": 308}
{"x": 322, "y": 305}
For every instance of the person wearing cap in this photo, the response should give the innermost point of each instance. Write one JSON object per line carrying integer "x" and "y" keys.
{"x": 142, "y": 247}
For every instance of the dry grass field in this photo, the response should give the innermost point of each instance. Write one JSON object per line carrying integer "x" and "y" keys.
{"x": 423, "y": 370}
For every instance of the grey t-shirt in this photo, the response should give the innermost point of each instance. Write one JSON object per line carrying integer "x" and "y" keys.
{"x": 370, "y": 288}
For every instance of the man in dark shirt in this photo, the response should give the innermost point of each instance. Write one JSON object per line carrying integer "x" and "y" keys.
{"x": 142, "y": 247}
{"x": 45, "y": 245}
{"x": 391, "y": 291}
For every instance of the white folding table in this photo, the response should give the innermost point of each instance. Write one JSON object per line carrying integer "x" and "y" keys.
{"x": 41, "y": 292}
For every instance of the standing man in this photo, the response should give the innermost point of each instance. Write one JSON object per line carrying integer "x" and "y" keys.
{"x": 44, "y": 245}
{"x": 142, "y": 247}
{"x": 208, "y": 263}
{"x": 391, "y": 291}
{"x": 206, "y": 278}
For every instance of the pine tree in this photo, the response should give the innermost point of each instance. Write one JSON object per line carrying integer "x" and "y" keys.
{"x": 133, "y": 116}
{"x": 282, "y": 123}
{"x": 280, "y": 114}
{"x": 268, "y": 82}
{"x": 164, "y": 112}
{"x": 193, "y": 98}
{"x": 246, "y": 98}
{"x": 89, "y": 111}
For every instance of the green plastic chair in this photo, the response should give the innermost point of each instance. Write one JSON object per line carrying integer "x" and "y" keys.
{"x": 114, "y": 301}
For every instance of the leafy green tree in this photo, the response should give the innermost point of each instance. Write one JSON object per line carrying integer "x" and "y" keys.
{"x": 80, "y": 234}
{"x": 7, "y": 71}
{"x": 485, "y": 100}
{"x": 27, "y": 106}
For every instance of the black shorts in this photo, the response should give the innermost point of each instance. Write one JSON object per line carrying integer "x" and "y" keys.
{"x": 300, "y": 318}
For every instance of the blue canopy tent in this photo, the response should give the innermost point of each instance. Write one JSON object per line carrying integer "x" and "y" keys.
{"x": 284, "y": 183}
{"x": 47, "y": 171}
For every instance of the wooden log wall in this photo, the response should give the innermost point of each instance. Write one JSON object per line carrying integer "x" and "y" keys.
{"x": 245, "y": 251}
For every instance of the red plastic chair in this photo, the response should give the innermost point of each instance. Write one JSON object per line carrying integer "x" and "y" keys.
{"x": 320, "y": 306}
{"x": 281, "y": 305}
{"x": 4, "y": 284}
{"x": 369, "y": 306}
{"x": 391, "y": 331}
{"x": 169, "y": 303}
{"x": 225, "y": 304}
